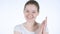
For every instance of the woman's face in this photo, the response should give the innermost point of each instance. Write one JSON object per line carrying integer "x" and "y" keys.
{"x": 30, "y": 12}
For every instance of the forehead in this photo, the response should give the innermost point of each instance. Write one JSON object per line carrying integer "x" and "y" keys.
{"x": 31, "y": 7}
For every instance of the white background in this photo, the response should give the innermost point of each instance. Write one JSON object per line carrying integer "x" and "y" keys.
{"x": 11, "y": 14}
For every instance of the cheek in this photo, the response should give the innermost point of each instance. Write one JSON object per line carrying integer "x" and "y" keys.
{"x": 25, "y": 14}
{"x": 35, "y": 15}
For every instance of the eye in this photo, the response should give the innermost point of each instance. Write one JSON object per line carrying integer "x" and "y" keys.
{"x": 27, "y": 11}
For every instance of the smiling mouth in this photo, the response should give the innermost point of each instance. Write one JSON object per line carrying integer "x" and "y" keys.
{"x": 30, "y": 17}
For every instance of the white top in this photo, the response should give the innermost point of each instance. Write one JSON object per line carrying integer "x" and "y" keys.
{"x": 23, "y": 30}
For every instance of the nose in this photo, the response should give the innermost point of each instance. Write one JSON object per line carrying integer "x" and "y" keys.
{"x": 30, "y": 15}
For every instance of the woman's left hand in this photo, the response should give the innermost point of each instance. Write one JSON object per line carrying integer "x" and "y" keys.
{"x": 43, "y": 26}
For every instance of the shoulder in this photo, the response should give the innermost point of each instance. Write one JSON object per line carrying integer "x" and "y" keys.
{"x": 18, "y": 28}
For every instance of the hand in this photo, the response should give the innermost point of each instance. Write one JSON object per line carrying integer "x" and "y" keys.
{"x": 43, "y": 26}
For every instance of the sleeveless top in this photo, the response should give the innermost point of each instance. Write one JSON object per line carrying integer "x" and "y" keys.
{"x": 23, "y": 30}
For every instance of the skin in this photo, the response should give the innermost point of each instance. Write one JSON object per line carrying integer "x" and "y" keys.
{"x": 43, "y": 27}
{"x": 30, "y": 13}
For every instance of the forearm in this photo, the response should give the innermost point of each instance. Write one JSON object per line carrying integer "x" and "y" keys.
{"x": 44, "y": 32}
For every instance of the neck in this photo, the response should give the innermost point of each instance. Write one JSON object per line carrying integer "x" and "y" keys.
{"x": 31, "y": 23}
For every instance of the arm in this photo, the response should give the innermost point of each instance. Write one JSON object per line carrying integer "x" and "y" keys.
{"x": 44, "y": 32}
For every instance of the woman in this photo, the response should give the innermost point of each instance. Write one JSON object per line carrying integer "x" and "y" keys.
{"x": 31, "y": 11}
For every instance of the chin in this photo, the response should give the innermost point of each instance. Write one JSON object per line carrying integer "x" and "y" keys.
{"x": 30, "y": 19}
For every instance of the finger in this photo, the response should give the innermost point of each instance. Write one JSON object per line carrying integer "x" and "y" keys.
{"x": 46, "y": 17}
{"x": 45, "y": 21}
